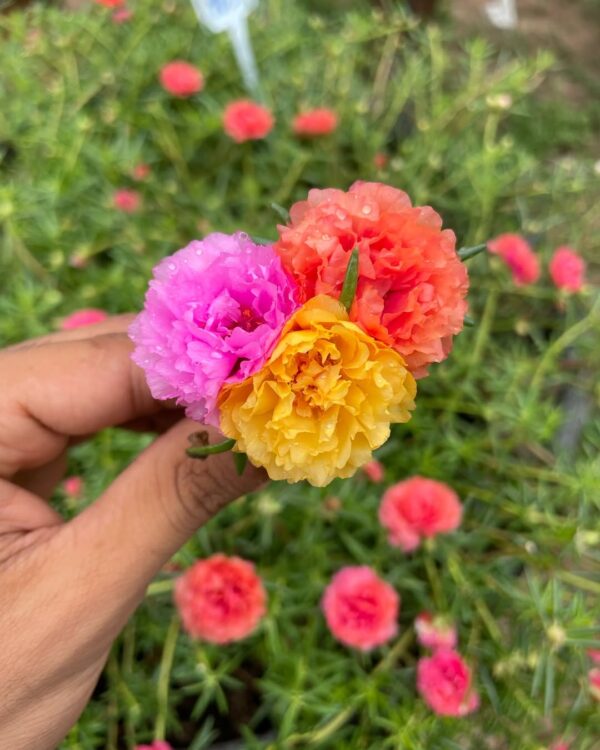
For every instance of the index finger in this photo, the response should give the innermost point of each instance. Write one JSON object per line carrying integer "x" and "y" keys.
{"x": 64, "y": 389}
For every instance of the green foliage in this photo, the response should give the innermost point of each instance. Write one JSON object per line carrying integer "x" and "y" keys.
{"x": 81, "y": 106}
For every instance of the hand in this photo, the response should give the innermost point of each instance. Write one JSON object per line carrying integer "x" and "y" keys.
{"x": 67, "y": 589}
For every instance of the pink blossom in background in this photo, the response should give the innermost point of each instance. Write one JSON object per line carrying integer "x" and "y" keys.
{"x": 594, "y": 683}
{"x": 141, "y": 172}
{"x": 567, "y": 269}
{"x": 111, "y": 3}
{"x": 83, "y": 317}
{"x": 122, "y": 15}
{"x": 560, "y": 746}
{"x": 518, "y": 255}
{"x": 435, "y": 632}
{"x": 380, "y": 160}
{"x": 78, "y": 260}
{"x": 315, "y": 122}
{"x": 374, "y": 470}
{"x": 360, "y": 608}
{"x": 418, "y": 508}
{"x": 594, "y": 655}
{"x": 213, "y": 314}
{"x": 126, "y": 200}
{"x": 72, "y": 486}
{"x": 245, "y": 120}
{"x": 220, "y": 599}
{"x": 156, "y": 745}
{"x": 181, "y": 79}
{"x": 444, "y": 682}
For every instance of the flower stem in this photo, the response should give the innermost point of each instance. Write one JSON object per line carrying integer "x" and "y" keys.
{"x": 202, "y": 451}
{"x": 466, "y": 253}
{"x": 162, "y": 689}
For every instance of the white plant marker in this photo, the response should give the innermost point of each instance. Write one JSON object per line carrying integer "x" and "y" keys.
{"x": 232, "y": 16}
{"x": 502, "y": 13}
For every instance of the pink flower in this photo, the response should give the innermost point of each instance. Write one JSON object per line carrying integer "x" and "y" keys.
{"x": 156, "y": 745}
{"x": 444, "y": 681}
{"x": 122, "y": 15}
{"x": 516, "y": 252}
{"x": 220, "y": 599}
{"x": 374, "y": 470}
{"x": 72, "y": 486}
{"x": 560, "y": 746}
{"x": 140, "y": 172}
{"x": 213, "y": 314}
{"x": 435, "y": 632}
{"x": 84, "y": 317}
{"x": 315, "y": 122}
{"x": 594, "y": 655}
{"x": 418, "y": 508}
{"x": 594, "y": 683}
{"x": 567, "y": 269}
{"x": 127, "y": 201}
{"x": 181, "y": 79}
{"x": 360, "y": 608}
{"x": 111, "y": 3}
{"x": 244, "y": 120}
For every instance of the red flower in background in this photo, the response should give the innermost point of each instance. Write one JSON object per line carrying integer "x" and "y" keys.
{"x": 72, "y": 486}
{"x": 380, "y": 160}
{"x": 220, "y": 599}
{"x": 411, "y": 284}
{"x": 567, "y": 269}
{"x": 111, "y": 3}
{"x": 360, "y": 608}
{"x": 83, "y": 317}
{"x": 444, "y": 681}
{"x": 374, "y": 470}
{"x": 127, "y": 201}
{"x": 418, "y": 508}
{"x": 156, "y": 745}
{"x": 141, "y": 172}
{"x": 594, "y": 683}
{"x": 315, "y": 122}
{"x": 122, "y": 15}
{"x": 245, "y": 120}
{"x": 181, "y": 79}
{"x": 435, "y": 632}
{"x": 518, "y": 255}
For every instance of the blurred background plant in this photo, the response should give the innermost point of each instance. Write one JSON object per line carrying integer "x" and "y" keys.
{"x": 497, "y": 136}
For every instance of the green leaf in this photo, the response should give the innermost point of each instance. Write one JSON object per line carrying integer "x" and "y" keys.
{"x": 350, "y": 281}
{"x": 240, "y": 460}
{"x": 469, "y": 322}
{"x": 281, "y": 211}
{"x": 202, "y": 451}
{"x": 466, "y": 253}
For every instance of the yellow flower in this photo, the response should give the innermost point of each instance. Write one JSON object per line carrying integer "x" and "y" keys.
{"x": 324, "y": 400}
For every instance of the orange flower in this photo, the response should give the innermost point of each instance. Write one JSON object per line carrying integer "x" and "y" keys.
{"x": 412, "y": 285}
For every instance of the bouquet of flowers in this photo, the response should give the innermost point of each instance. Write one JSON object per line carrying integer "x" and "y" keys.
{"x": 304, "y": 352}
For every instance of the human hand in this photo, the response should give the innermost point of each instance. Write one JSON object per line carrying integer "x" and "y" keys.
{"x": 67, "y": 589}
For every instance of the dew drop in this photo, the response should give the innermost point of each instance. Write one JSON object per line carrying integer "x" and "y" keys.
{"x": 244, "y": 236}
{"x": 366, "y": 210}
{"x": 341, "y": 215}
{"x": 172, "y": 267}
{"x": 198, "y": 251}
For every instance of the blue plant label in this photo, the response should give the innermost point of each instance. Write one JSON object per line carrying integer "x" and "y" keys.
{"x": 219, "y": 15}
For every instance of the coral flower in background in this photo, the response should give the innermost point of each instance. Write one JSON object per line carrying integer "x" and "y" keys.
{"x": 411, "y": 285}
{"x": 518, "y": 255}
{"x": 380, "y": 160}
{"x": 360, "y": 608}
{"x": 418, "y": 508}
{"x": 444, "y": 681}
{"x": 245, "y": 120}
{"x": 84, "y": 317}
{"x": 435, "y": 632}
{"x": 122, "y": 15}
{"x": 220, "y": 599}
{"x": 111, "y": 3}
{"x": 374, "y": 470}
{"x": 126, "y": 200}
{"x": 156, "y": 745}
{"x": 213, "y": 314}
{"x": 567, "y": 269}
{"x": 73, "y": 486}
{"x": 181, "y": 79}
{"x": 315, "y": 122}
{"x": 324, "y": 400}
{"x": 141, "y": 172}
{"x": 594, "y": 655}
{"x": 594, "y": 683}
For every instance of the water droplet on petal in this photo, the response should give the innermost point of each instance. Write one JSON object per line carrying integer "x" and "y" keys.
{"x": 341, "y": 215}
{"x": 172, "y": 267}
{"x": 244, "y": 236}
{"x": 366, "y": 210}
{"x": 198, "y": 251}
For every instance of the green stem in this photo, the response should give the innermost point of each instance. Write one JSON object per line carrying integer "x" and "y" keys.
{"x": 201, "y": 451}
{"x": 164, "y": 676}
{"x": 466, "y": 253}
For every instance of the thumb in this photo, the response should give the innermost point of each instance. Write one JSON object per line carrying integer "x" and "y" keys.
{"x": 157, "y": 503}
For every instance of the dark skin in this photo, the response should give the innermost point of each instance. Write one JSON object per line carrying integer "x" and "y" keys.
{"x": 67, "y": 589}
